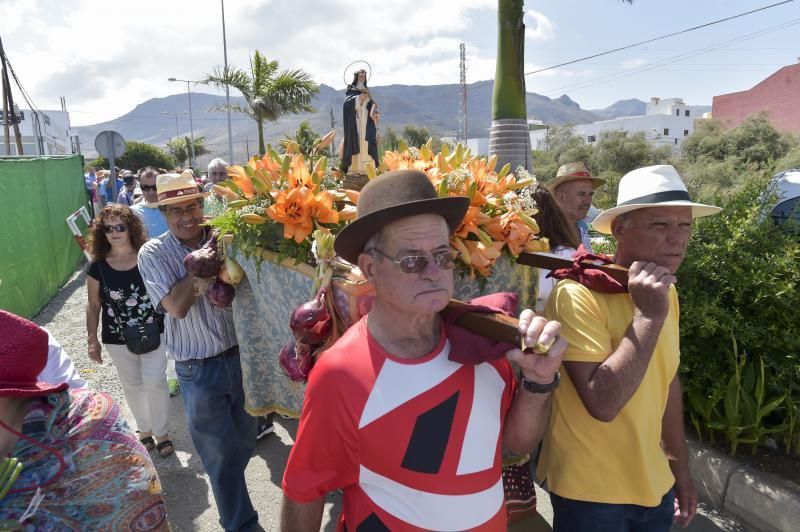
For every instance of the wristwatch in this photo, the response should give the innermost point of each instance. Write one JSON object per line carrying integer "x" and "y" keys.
{"x": 535, "y": 387}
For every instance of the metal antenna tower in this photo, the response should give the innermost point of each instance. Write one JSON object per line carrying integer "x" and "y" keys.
{"x": 462, "y": 112}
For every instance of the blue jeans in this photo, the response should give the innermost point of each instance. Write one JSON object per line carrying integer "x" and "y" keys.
{"x": 570, "y": 515}
{"x": 223, "y": 433}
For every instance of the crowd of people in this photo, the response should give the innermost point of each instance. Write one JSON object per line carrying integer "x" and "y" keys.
{"x": 407, "y": 414}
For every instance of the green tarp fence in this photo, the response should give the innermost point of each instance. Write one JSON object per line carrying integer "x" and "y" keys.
{"x": 37, "y": 250}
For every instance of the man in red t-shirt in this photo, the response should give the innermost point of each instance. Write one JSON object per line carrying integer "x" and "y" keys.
{"x": 411, "y": 436}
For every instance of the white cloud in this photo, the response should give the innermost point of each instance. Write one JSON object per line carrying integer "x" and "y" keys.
{"x": 537, "y": 26}
{"x": 106, "y": 57}
{"x": 630, "y": 64}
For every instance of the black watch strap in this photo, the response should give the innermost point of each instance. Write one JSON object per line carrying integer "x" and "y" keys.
{"x": 535, "y": 387}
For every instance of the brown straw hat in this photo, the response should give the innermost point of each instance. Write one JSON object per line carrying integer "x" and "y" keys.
{"x": 390, "y": 197}
{"x": 176, "y": 188}
{"x": 23, "y": 355}
{"x": 573, "y": 172}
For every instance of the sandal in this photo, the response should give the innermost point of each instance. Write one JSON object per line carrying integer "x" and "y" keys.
{"x": 165, "y": 448}
{"x": 148, "y": 442}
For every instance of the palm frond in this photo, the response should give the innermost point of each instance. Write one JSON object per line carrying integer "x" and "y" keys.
{"x": 234, "y": 108}
{"x": 231, "y": 77}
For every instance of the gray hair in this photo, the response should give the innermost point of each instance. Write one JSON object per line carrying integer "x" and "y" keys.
{"x": 215, "y": 163}
{"x": 623, "y": 219}
{"x": 376, "y": 240}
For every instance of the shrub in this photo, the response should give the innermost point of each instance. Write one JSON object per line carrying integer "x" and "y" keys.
{"x": 739, "y": 279}
{"x": 138, "y": 155}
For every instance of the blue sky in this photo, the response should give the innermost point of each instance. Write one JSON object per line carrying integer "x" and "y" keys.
{"x": 62, "y": 48}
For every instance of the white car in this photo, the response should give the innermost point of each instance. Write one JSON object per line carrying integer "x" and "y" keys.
{"x": 786, "y": 203}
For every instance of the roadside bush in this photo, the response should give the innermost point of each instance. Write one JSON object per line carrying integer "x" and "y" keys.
{"x": 739, "y": 281}
{"x": 138, "y": 155}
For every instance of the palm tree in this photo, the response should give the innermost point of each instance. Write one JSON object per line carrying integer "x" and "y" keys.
{"x": 181, "y": 148}
{"x": 268, "y": 94}
{"x": 509, "y": 137}
{"x": 305, "y": 138}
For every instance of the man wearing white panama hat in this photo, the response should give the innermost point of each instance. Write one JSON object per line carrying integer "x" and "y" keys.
{"x": 602, "y": 457}
{"x": 202, "y": 340}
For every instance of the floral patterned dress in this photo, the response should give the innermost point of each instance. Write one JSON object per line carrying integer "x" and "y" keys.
{"x": 92, "y": 472}
{"x": 125, "y": 301}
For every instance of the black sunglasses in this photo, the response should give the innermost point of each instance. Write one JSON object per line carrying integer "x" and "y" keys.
{"x": 148, "y": 187}
{"x": 119, "y": 228}
{"x": 445, "y": 260}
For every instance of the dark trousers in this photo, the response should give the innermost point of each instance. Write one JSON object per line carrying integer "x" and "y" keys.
{"x": 570, "y": 515}
{"x": 223, "y": 433}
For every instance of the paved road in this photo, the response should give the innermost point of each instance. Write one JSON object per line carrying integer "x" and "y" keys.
{"x": 189, "y": 500}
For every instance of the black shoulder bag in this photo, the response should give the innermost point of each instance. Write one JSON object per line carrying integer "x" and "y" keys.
{"x": 139, "y": 339}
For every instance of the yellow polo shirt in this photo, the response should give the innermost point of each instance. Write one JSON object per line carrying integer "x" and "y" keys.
{"x": 620, "y": 462}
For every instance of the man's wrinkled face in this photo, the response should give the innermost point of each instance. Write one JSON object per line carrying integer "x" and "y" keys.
{"x": 575, "y": 198}
{"x": 185, "y": 218}
{"x": 655, "y": 234}
{"x": 425, "y": 292}
{"x": 217, "y": 174}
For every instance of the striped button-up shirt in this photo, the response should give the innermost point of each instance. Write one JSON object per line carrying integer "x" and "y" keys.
{"x": 206, "y": 330}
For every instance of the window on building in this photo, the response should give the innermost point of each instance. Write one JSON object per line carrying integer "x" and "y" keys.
{"x": 686, "y": 113}
{"x": 677, "y": 112}
{"x": 46, "y": 120}
{"x": 676, "y": 142}
{"x": 685, "y": 132}
{"x": 666, "y": 131}
{"x": 591, "y": 138}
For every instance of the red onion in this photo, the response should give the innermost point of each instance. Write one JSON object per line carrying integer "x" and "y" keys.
{"x": 203, "y": 262}
{"x": 310, "y": 322}
{"x": 221, "y": 294}
{"x": 296, "y": 361}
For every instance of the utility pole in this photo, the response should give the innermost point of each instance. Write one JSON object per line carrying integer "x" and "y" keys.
{"x": 247, "y": 147}
{"x": 227, "y": 88}
{"x": 333, "y": 127}
{"x": 9, "y": 112}
{"x": 6, "y": 117}
{"x": 462, "y": 118}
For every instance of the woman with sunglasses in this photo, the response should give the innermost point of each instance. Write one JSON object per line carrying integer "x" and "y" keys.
{"x": 117, "y": 292}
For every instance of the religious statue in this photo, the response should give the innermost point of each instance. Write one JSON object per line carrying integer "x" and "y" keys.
{"x": 360, "y": 117}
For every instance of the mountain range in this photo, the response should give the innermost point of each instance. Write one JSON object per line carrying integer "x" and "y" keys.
{"x": 435, "y": 107}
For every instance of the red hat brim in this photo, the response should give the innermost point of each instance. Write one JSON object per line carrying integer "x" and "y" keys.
{"x": 37, "y": 390}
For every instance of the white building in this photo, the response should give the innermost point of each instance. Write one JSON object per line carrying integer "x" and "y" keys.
{"x": 666, "y": 122}
{"x": 43, "y": 133}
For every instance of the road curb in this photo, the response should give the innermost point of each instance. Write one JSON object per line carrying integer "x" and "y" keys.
{"x": 758, "y": 500}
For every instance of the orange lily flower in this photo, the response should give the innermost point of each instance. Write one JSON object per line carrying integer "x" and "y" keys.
{"x": 266, "y": 168}
{"x": 320, "y": 208}
{"x": 299, "y": 174}
{"x": 509, "y": 228}
{"x": 291, "y": 208}
{"x": 472, "y": 220}
{"x": 242, "y": 180}
{"x": 483, "y": 257}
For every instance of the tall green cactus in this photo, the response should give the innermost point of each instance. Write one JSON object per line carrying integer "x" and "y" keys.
{"x": 508, "y": 100}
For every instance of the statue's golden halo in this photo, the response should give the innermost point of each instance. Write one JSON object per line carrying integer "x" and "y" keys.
{"x": 352, "y": 68}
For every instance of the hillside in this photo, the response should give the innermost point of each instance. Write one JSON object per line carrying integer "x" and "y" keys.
{"x": 432, "y": 106}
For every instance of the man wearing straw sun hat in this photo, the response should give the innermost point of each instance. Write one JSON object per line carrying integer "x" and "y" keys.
{"x": 602, "y": 457}
{"x": 573, "y": 188}
{"x": 202, "y": 340}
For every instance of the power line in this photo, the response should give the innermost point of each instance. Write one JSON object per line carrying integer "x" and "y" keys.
{"x": 626, "y": 47}
{"x": 674, "y": 59}
{"x": 687, "y": 30}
